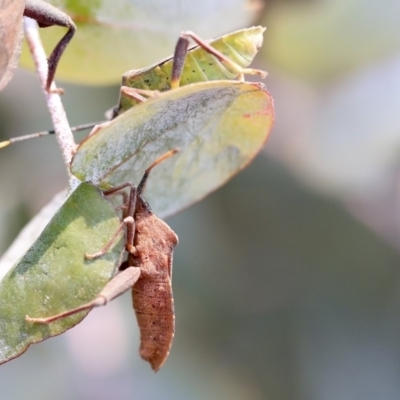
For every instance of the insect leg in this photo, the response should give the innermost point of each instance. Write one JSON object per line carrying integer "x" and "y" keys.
{"x": 103, "y": 250}
{"x": 47, "y": 15}
{"x": 181, "y": 51}
{"x": 138, "y": 94}
{"x": 135, "y": 95}
{"x": 127, "y": 221}
{"x": 129, "y": 210}
{"x": 114, "y": 288}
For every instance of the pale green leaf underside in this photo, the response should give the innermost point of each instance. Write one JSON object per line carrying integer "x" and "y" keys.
{"x": 218, "y": 126}
{"x": 53, "y": 276}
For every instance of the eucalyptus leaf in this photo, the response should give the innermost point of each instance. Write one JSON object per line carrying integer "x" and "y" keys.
{"x": 53, "y": 276}
{"x": 30, "y": 233}
{"x": 218, "y": 127}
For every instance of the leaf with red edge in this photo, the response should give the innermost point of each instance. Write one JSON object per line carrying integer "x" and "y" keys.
{"x": 219, "y": 127}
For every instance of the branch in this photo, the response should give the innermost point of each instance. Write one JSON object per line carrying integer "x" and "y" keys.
{"x": 61, "y": 126}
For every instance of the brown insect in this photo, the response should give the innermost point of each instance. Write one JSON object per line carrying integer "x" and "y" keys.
{"x": 148, "y": 271}
{"x": 152, "y": 294}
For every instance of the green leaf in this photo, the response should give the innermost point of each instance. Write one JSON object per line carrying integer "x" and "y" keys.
{"x": 218, "y": 126}
{"x": 30, "y": 233}
{"x": 53, "y": 276}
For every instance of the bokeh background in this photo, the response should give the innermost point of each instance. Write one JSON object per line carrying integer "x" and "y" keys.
{"x": 286, "y": 280}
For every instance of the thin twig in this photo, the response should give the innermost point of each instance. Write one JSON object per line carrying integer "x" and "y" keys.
{"x": 61, "y": 126}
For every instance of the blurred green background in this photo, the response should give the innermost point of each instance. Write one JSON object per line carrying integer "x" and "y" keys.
{"x": 286, "y": 280}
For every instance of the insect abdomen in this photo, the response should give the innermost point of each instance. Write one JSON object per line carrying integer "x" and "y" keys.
{"x": 154, "y": 307}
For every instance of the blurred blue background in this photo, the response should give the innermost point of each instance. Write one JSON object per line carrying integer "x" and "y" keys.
{"x": 286, "y": 280}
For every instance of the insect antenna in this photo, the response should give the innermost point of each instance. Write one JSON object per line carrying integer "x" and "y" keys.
{"x": 142, "y": 182}
{"x": 78, "y": 128}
